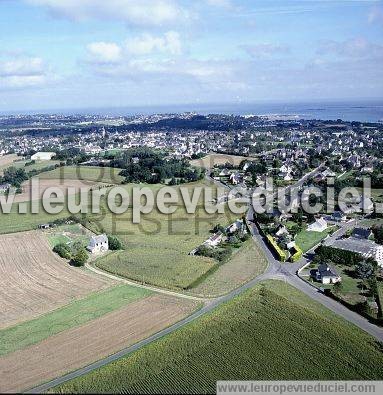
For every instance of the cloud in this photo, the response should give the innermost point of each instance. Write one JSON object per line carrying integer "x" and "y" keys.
{"x": 375, "y": 14}
{"x": 265, "y": 50}
{"x": 22, "y": 71}
{"x": 356, "y": 48}
{"x": 146, "y": 43}
{"x": 136, "y": 47}
{"x": 104, "y": 52}
{"x": 133, "y": 12}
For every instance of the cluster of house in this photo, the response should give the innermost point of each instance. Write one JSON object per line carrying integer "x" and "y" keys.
{"x": 217, "y": 238}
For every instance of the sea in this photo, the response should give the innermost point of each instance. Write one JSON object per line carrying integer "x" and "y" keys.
{"x": 363, "y": 111}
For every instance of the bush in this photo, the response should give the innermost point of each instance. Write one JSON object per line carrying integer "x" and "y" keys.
{"x": 281, "y": 253}
{"x": 63, "y": 251}
{"x": 114, "y": 243}
{"x": 80, "y": 258}
{"x": 297, "y": 255}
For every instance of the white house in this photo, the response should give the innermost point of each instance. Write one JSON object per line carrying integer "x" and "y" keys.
{"x": 4, "y": 188}
{"x": 43, "y": 156}
{"x": 235, "y": 178}
{"x": 98, "y": 244}
{"x": 214, "y": 240}
{"x": 327, "y": 275}
{"x": 320, "y": 225}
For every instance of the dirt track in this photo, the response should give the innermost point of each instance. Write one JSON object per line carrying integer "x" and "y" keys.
{"x": 33, "y": 280}
{"x": 80, "y": 346}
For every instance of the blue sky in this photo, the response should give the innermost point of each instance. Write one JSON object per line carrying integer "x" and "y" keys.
{"x": 57, "y": 54}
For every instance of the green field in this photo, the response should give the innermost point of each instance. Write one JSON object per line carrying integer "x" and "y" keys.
{"x": 307, "y": 240}
{"x": 152, "y": 265}
{"x": 15, "y": 222}
{"x": 68, "y": 234}
{"x": 272, "y": 332}
{"x": 157, "y": 249}
{"x": 75, "y": 314}
{"x": 106, "y": 175}
{"x": 246, "y": 263}
{"x": 380, "y": 297}
{"x": 20, "y": 164}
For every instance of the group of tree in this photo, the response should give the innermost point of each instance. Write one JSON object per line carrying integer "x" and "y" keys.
{"x": 338, "y": 256}
{"x": 72, "y": 156}
{"x": 76, "y": 253}
{"x": 152, "y": 166}
{"x": 378, "y": 234}
{"x": 14, "y": 176}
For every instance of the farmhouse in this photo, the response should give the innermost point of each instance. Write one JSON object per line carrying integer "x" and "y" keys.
{"x": 320, "y": 225}
{"x": 43, "y": 156}
{"x": 327, "y": 275}
{"x": 98, "y": 244}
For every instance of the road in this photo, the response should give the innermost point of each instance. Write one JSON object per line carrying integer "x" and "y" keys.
{"x": 276, "y": 270}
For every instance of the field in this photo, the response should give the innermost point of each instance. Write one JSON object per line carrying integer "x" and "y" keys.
{"x": 19, "y": 163}
{"x": 105, "y": 175}
{"x": 43, "y": 184}
{"x": 252, "y": 337}
{"x": 157, "y": 249}
{"x": 6, "y": 161}
{"x": 209, "y": 161}
{"x": 81, "y": 345}
{"x": 152, "y": 265}
{"x": 74, "y": 314}
{"x": 15, "y": 222}
{"x": 245, "y": 264}
{"x": 68, "y": 234}
{"x": 34, "y": 281}
{"x": 307, "y": 240}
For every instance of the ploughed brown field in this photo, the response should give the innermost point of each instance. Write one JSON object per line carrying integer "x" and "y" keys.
{"x": 83, "y": 345}
{"x": 34, "y": 280}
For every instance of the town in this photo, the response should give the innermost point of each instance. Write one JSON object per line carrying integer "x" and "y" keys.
{"x": 332, "y": 255}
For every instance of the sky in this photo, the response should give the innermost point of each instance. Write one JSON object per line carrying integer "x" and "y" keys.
{"x": 73, "y": 54}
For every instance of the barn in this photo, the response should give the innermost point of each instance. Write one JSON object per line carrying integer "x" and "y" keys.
{"x": 43, "y": 156}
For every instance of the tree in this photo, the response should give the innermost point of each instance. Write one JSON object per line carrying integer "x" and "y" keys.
{"x": 63, "y": 251}
{"x": 338, "y": 287}
{"x": 14, "y": 176}
{"x": 364, "y": 270}
{"x": 80, "y": 258}
{"x": 378, "y": 234}
{"x": 114, "y": 243}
